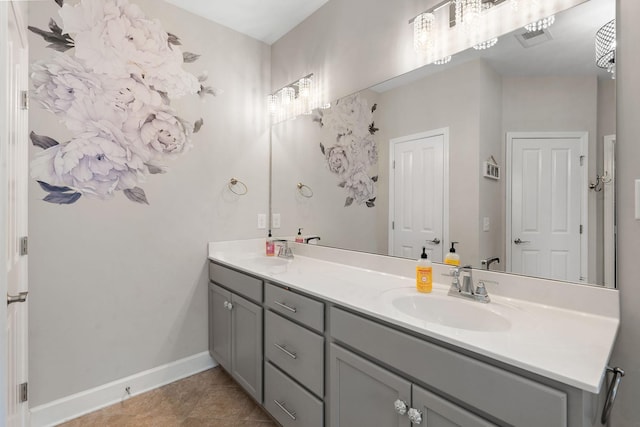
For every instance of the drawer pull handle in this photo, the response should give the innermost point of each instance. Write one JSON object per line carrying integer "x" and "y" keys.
{"x": 285, "y": 351}
{"x": 291, "y": 414}
{"x": 286, "y": 307}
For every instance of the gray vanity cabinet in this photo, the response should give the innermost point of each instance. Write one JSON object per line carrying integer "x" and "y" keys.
{"x": 235, "y": 337}
{"x": 363, "y": 393}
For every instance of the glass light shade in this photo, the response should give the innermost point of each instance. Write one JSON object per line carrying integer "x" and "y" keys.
{"x": 486, "y": 44}
{"x": 287, "y": 95}
{"x": 442, "y": 61}
{"x": 468, "y": 13}
{"x": 422, "y": 32}
{"x": 606, "y": 46}
{"x": 541, "y": 24}
{"x": 304, "y": 87}
{"x": 273, "y": 102}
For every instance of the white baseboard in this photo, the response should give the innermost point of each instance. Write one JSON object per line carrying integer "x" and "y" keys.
{"x": 70, "y": 407}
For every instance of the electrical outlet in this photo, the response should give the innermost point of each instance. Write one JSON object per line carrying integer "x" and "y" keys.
{"x": 262, "y": 221}
{"x": 275, "y": 221}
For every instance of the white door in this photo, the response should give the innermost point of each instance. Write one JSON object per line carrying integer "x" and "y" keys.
{"x": 546, "y": 199}
{"x": 14, "y": 180}
{"x": 418, "y": 199}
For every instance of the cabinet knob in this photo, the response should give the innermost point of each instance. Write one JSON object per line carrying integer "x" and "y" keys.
{"x": 415, "y": 416}
{"x": 400, "y": 406}
{"x": 229, "y": 306}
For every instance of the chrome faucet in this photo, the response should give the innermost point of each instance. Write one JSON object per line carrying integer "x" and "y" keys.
{"x": 285, "y": 250}
{"x": 466, "y": 289}
{"x": 486, "y": 263}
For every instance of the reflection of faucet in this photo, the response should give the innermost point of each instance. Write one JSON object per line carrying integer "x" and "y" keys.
{"x": 310, "y": 238}
{"x": 467, "y": 290}
{"x": 285, "y": 250}
{"x": 486, "y": 263}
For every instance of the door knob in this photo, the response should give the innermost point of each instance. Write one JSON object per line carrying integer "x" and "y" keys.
{"x": 435, "y": 241}
{"x": 519, "y": 242}
{"x": 21, "y": 297}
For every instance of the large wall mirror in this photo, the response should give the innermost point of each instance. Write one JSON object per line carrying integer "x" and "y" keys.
{"x": 507, "y": 150}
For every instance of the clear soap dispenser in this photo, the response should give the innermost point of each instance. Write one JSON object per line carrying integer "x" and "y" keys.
{"x": 299, "y": 238}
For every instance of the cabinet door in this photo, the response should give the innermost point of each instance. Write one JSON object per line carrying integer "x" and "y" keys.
{"x": 220, "y": 325}
{"x": 364, "y": 394}
{"x": 246, "y": 345}
{"x": 438, "y": 412}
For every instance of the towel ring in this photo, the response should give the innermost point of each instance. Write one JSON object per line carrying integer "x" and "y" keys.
{"x": 308, "y": 193}
{"x": 233, "y": 182}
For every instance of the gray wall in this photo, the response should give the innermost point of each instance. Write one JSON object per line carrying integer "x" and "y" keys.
{"x": 377, "y": 46}
{"x": 627, "y": 411}
{"x": 118, "y": 287}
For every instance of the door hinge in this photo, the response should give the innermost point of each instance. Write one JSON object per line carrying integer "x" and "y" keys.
{"x": 580, "y": 228}
{"x": 581, "y": 160}
{"x": 23, "y": 392}
{"x": 393, "y": 225}
{"x": 24, "y": 246}
{"x": 393, "y": 166}
{"x": 24, "y": 99}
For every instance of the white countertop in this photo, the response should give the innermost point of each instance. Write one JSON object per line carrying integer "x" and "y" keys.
{"x": 569, "y": 346}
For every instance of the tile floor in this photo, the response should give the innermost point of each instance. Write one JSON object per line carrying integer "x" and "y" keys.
{"x": 210, "y": 398}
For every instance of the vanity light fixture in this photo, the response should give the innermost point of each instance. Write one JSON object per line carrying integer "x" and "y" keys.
{"x": 541, "y": 24}
{"x": 299, "y": 97}
{"x": 486, "y": 44}
{"x": 606, "y": 47}
{"x": 468, "y": 14}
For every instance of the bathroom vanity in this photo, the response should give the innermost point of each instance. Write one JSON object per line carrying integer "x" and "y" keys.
{"x": 325, "y": 343}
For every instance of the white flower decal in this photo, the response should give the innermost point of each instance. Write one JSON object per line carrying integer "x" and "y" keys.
{"x": 355, "y": 151}
{"x": 111, "y": 84}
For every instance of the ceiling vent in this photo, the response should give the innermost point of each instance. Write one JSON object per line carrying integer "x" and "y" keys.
{"x": 533, "y": 38}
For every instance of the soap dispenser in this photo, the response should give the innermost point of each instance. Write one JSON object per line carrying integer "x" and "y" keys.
{"x": 299, "y": 238}
{"x": 452, "y": 257}
{"x": 270, "y": 246}
{"x": 424, "y": 273}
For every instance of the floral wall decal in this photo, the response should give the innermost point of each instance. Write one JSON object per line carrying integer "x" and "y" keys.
{"x": 110, "y": 82}
{"x": 355, "y": 151}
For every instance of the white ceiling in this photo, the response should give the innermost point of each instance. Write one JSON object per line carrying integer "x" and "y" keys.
{"x": 265, "y": 20}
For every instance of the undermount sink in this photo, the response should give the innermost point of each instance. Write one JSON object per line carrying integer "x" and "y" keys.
{"x": 270, "y": 264}
{"x": 451, "y": 312}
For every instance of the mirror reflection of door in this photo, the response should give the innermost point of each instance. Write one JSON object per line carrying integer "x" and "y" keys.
{"x": 547, "y": 214}
{"x": 417, "y": 195}
{"x": 14, "y": 64}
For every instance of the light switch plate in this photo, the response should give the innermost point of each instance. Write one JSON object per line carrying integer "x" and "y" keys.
{"x": 485, "y": 223}
{"x": 262, "y": 221}
{"x": 275, "y": 221}
{"x": 638, "y": 199}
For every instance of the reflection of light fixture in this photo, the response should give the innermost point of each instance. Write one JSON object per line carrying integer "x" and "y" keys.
{"x": 541, "y": 24}
{"x": 300, "y": 97}
{"x": 606, "y": 47}
{"x": 486, "y": 44}
{"x": 304, "y": 87}
{"x": 443, "y": 61}
{"x": 422, "y": 32}
{"x": 287, "y": 95}
{"x": 468, "y": 13}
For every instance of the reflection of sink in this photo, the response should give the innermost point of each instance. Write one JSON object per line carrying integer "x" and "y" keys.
{"x": 269, "y": 265}
{"x": 269, "y": 261}
{"x": 451, "y": 312}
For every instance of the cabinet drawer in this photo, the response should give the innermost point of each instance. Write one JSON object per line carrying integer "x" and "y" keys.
{"x": 296, "y": 350}
{"x": 288, "y": 403}
{"x": 295, "y": 306}
{"x": 240, "y": 283}
{"x": 509, "y": 397}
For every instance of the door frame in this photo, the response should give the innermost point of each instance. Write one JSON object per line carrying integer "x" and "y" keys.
{"x": 445, "y": 182}
{"x": 583, "y": 136}
{"x": 610, "y": 230}
{"x": 4, "y": 16}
